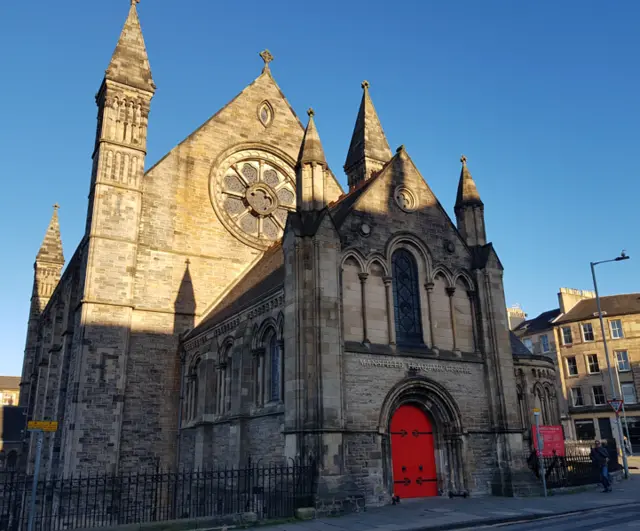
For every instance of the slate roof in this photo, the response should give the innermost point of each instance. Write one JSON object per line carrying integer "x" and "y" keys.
{"x": 611, "y": 305}
{"x": 517, "y": 346}
{"x": 538, "y": 324}
{"x": 266, "y": 276}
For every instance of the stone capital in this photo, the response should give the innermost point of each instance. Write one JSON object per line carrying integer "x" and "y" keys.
{"x": 471, "y": 294}
{"x": 387, "y": 280}
{"x": 450, "y": 290}
{"x": 363, "y": 277}
{"x": 429, "y": 286}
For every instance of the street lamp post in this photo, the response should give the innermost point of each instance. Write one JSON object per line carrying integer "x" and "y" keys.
{"x": 622, "y": 256}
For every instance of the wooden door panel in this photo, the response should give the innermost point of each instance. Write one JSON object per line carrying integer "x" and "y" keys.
{"x": 413, "y": 453}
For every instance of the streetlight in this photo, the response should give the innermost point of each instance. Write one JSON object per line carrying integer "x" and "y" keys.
{"x": 623, "y": 256}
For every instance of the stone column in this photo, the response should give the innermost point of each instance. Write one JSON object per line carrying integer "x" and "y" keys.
{"x": 429, "y": 287}
{"x": 363, "y": 282}
{"x": 472, "y": 305}
{"x": 390, "y": 320}
{"x": 450, "y": 291}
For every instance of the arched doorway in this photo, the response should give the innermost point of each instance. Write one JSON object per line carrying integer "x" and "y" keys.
{"x": 413, "y": 453}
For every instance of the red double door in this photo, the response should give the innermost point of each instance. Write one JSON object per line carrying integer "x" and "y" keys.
{"x": 413, "y": 454}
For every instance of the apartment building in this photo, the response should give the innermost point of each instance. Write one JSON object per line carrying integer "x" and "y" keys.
{"x": 572, "y": 335}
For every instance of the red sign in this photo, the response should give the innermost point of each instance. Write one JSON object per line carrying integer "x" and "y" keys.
{"x": 552, "y": 440}
{"x": 616, "y": 404}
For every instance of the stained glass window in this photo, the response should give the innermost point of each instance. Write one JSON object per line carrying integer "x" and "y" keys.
{"x": 406, "y": 298}
{"x": 274, "y": 352}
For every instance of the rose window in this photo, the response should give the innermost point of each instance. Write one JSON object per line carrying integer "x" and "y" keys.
{"x": 252, "y": 193}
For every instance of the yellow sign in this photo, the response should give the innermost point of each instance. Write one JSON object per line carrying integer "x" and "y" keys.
{"x": 42, "y": 425}
{"x": 536, "y": 410}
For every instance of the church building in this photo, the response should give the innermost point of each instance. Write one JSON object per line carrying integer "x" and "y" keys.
{"x": 232, "y": 303}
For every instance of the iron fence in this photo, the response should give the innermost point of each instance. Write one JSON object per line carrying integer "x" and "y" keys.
{"x": 98, "y": 500}
{"x": 575, "y": 468}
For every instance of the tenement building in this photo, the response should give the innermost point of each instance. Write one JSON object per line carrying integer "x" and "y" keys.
{"x": 232, "y": 302}
{"x": 572, "y": 335}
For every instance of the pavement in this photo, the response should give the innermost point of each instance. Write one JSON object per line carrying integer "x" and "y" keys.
{"x": 619, "y": 518}
{"x": 591, "y": 505}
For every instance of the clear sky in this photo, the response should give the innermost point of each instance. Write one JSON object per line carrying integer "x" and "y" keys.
{"x": 542, "y": 97}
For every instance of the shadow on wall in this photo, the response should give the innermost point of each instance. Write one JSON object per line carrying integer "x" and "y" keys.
{"x": 13, "y": 422}
{"x": 117, "y": 411}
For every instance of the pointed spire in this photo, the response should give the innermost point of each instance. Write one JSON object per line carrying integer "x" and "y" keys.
{"x": 467, "y": 191}
{"x": 311, "y": 148}
{"x": 369, "y": 149}
{"x": 130, "y": 64}
{"x": 51, "y": 248}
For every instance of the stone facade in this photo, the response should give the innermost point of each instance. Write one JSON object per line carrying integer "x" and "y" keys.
{"x": 233, "y": 303}
{"x": 572, "y": 336}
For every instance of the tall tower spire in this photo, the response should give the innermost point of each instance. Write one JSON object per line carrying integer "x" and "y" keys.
{"x": 51, "y": 248}
{"x": 110, "y": 247}
{"x": 369, "y": 149}
{"x": 46, "y": 275}
{"x": 129, "y": 64}
{"x": 310, "y": 170}
{"x": 469, "y": 208}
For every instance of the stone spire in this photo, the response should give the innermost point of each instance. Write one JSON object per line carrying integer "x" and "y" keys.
{"x": 310, "y": 170}
{"x": 51, "y": 248}
{"x": 467, "y": 191}
{"x": 469, "y": 209}
{"x": 311, "y": 150}
{"x": 369, "y": 149}
{"x": 129, "y": 64}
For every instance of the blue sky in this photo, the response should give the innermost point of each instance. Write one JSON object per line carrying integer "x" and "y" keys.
{"x": 542, "y": 97}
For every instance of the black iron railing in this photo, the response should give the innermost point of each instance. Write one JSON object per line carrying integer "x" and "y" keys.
{"x": 98, "y": 500}
{"x": 576, "y": 468}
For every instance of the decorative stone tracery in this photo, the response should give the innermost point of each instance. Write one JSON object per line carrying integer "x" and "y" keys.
{"x": 252, "y": 192}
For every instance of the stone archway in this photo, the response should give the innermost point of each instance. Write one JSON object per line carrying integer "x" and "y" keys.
{"x": 441, "y": 414}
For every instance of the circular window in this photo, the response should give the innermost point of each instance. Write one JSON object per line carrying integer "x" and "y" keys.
{"x": 252, "y": 191}
{"x": 405, "y": 199}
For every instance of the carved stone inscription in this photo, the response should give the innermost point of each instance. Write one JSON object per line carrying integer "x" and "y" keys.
{"x": 390, "y": 363}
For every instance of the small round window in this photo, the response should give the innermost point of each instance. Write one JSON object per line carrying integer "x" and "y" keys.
{"x": 265, "y": 113}
{"x": 405, "y": 199}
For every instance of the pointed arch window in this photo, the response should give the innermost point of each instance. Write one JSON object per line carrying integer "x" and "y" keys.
{"x": 275, "y": 359}
{"x": 406, "y": 298}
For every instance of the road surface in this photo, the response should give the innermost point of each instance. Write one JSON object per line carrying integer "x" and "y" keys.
{"x": 620, "y": 519}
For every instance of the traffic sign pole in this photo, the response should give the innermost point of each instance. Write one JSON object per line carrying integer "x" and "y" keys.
{"x": 36, "y": 475}
{"x": 536, "y": 416}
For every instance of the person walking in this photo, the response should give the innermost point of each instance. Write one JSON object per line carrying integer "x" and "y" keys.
{"x": 600, "y": 458}
{"x": 627, "y": 447}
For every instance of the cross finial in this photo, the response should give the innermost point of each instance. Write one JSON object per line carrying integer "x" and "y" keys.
{"x": 311, "y": 112}
{"x": 56, "y": 207}
{"x": 365, "y": 84}
{"x": 266, "y": 57}
{"x": 187, "y": 261}
{"x": 463, "y": 159}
